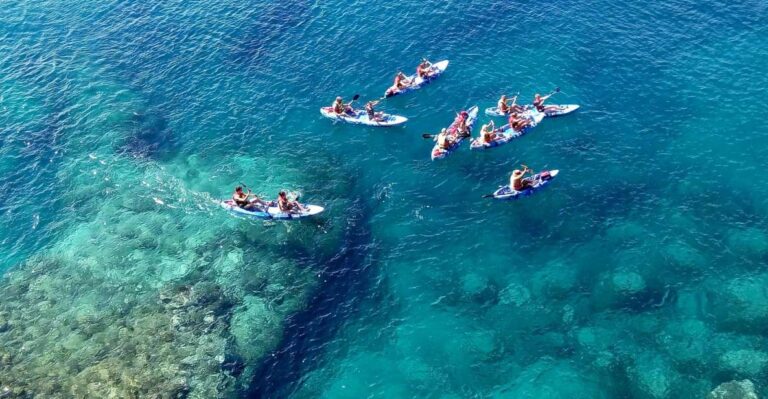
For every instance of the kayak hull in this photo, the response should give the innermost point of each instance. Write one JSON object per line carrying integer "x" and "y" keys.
{"x": 505, "y": 134}
{"x": 440, "y": 153}
{"x": 361, "y": 118}
{"x": 564, "y": 109}
{"x": 271, "y": 212}
{"x": 418, "y": 82}
{"x": 541, "y": 180}
{"x": 494, "y": 111}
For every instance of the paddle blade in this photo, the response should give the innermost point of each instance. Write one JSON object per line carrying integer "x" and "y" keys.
{"x": 557, "y": 90}
{"x": 427, "y": 136}
{"x": 487, "y": 195}
{"x": 355, "y": 97}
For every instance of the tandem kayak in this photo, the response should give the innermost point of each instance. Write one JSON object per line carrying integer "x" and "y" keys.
{"x": 438, "y": 68}
{"x": 271, "y": 212}
{"x": 505, "y": 134}
{"x": 540, "y": 180}
{"x": 360, "y": 117}
{"x": 440, "y": 153}
{"x": 561, "y": 110}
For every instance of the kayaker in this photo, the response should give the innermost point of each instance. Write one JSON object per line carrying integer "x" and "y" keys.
{"x": 487, "y": 134}
{"x": 401, "y": 81}
{"x": 443, "y": 141}
{"x": 460, "y": 124}
{"x": 424, "y": 69}
{"x": 538, "y": 102}
{"x": 286, "y": 205}
{"x": 241, "y": 199}
{"x": 517, "y": 123}
{"x": 372, "y": 114}
{"x": 340, "y": 108}
{"x": 516, "y": 180}
{"x": 505, "y": 108}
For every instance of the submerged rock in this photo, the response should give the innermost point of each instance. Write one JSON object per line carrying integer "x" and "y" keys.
{"x": 118, "y": 320}
{"x": 628, "y": 282}
{"x": 4, "y": 325}
{"x": 553, "y": 379}
{"x": 651, "y": 377}
{"x": 744, "y": 389}
{"x": 555, "y": 280}
{"x": 750, "y": 242}
{"x": 478, "y": 288}
{"x": 514, "y": 294}
{"x": 253, "y": 326}
{"x": 742, "y": 303}
{"x": 745, "y": 361}
{"x": 685, "y": 258}
{"x": 621, "y": 288}
{"x": 688, "y": 341}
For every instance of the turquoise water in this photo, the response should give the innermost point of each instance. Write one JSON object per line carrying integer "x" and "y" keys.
{"x": 639, "y": 273}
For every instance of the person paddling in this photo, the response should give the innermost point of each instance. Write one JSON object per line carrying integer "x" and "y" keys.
{"x": 401, "y": 81}
{"x": 538, "y": 103}
{"x": 443, "y": 141}
{"x": 516, "y": 180}
{"x": 487, "y": 134}
{"x": 517, "y": 123}
{"x": 424, "y": 70}
{"x": 241, "y": 199}
{"x": 505, "y": 108}
{"x": 460, "y": 124}
{"x": 371, "y": 112}
{"x": 339, "y": 108}
{"x": 286, "y": 205}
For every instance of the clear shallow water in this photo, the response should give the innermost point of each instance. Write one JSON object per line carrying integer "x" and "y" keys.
{"x": 638, "y": 273}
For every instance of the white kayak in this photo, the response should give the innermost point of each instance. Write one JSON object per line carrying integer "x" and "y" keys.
{"x": 271, "y": 212}
{"x": 360, "y": 117}
{"x": 506, "y": 133}
{"x": 417, "y": 82}
{"x": 540, "y": 180}
{"x": 550, "y": 111}
{"x": 440, "y": 153}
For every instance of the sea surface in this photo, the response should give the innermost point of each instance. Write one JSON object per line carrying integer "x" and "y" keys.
{"x": 639, "y": 272}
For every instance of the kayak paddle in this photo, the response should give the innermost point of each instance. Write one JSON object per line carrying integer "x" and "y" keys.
{"x": 557, "y": 90}
{"x": 249, "y": 190}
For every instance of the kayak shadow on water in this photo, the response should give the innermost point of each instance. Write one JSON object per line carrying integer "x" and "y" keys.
{"x": 345, "y": 282}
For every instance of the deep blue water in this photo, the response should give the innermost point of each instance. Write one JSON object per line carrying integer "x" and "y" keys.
{"x": 639, "y": 272}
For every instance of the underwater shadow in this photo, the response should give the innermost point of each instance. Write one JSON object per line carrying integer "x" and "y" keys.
{"x": 346, "y": 279}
